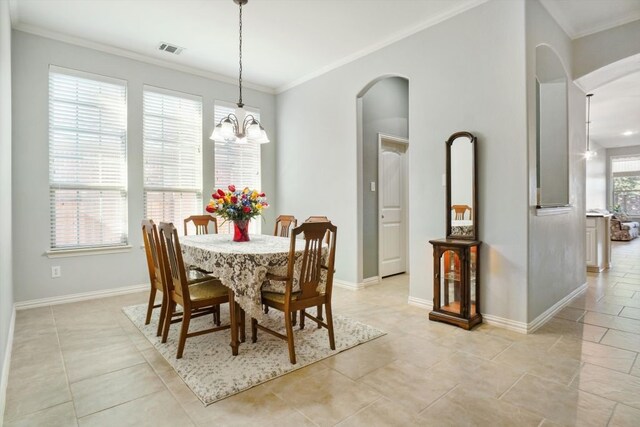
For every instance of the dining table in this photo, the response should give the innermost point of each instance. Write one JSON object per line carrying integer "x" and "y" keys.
{"x": 242, "y": 267}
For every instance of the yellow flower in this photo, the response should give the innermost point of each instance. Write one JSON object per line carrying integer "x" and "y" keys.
{"x": 227, "y": 198}
{"x": 246, "y": 190}
{"x": 220, "y": 201}
{"x": 258, "y": 206}
{"x": 254, "y": 195}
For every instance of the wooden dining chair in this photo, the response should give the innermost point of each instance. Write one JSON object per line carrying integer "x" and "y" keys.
{"x": 197, "y": 299}
{"x": 201, "y": 222}
{"x": 284, "y": 223}
{"x": 151, "y": 248}
{"x": 317, "y": 218}
{"x": 308, "y": 277}
{"x": 460, "y": 210}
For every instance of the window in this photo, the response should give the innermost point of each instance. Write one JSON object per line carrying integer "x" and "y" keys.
{"x": 172, "y": 151}
{"x": 87, "y": 160}
{"x": 626, "y": 184}
{"x": 237, "y": 164}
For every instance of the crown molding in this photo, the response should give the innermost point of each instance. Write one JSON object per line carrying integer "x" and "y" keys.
{"x": 377, "y": 46}
{"x": 38, "y": 31}
{"x": 607, "y": 26}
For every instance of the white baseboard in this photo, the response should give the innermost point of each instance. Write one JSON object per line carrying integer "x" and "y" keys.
{"x": 501, "y": 322}
{"x": 513, "y": 325}
{"x": 427, "y": 304}
{"x": 356, "y": 286}
{"x": 23, "y": 305}
{"x": 6, "y": 364}
{"x": 551, "y": 311}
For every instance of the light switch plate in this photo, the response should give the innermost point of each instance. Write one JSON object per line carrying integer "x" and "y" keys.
{"x": 373, "y": 186}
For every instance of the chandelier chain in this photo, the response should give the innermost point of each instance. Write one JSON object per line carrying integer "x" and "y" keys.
{"x": 240, "y": 104}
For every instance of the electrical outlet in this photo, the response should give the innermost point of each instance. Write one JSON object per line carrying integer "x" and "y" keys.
{"x": 373, "y": 186}
{"x": 56, "y": 271}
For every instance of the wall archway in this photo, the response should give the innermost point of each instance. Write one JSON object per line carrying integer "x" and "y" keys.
{"x": 382, "y": 108}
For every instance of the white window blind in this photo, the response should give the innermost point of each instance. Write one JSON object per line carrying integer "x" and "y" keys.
{"x": 237, "y": 164}
{"x": 625, "y": 166}
{"x": 172, "y": 155}
{"x": 87, "y": 160}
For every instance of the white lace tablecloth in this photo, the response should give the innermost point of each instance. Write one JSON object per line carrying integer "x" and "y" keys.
{"x": 241, "y": 266}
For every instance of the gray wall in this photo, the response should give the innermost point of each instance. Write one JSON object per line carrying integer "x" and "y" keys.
{"x": 557, "y": 242}
{"x": 595, "y": 51}
{"x": 612, "y": 152}
{"x": 385, "y": 109}
{"x": 466, "y": 73}
{"x": 31, "y": 58}
{"x": 6, "y": 280}
{"x": 596, "y": 188}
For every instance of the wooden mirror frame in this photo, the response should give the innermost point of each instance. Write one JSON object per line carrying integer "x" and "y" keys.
{"x": 474, "y": 162}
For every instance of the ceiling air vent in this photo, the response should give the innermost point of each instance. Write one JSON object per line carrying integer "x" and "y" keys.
{"x": 166, "y": 47}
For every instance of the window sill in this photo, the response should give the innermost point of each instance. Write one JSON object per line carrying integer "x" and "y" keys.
{"x": 556, "y": 210}
{"x": 65, "y": 253}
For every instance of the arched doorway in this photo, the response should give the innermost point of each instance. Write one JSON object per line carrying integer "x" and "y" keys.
{"x": 383, "y": 132}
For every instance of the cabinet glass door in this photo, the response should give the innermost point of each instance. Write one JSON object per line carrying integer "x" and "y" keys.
{"x": 450, "y": 282}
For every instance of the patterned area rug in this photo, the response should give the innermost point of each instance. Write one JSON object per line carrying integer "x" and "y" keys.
{"x": 212, "y": 373}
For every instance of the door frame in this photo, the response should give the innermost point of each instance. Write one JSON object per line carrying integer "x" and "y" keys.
{"x": 382, "y": 138}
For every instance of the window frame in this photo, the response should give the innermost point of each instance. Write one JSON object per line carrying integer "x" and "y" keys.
{"x": 197, "y": 191}
{"x": 88, "y": 249}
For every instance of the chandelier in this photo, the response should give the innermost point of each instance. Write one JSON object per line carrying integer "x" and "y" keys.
{"x": 589, "y": 154}
{"x": 240, "y": 127}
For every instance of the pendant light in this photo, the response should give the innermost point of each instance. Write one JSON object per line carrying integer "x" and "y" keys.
{"x": 240, "y": 127}
{"x": 589, "y": 154}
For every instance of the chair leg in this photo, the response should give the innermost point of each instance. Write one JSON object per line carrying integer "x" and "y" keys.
{"x": 302, "y": 318}
{"x": 171, "y": 307}
{"x": 163, "y": 314}
{"x": 266, "y": 309}
{"x": 216, "y": 315}
{"x": 243, "y": 336}
{"x": 254, "y": 330}
{"x": 294, "y": 316}
{"x": 332, "y": 341}
{"x": 152, "y": 301}
{"x": 186, "y": 318}
{"x": 319, "y": 316}
{"x": 289, "y": 325}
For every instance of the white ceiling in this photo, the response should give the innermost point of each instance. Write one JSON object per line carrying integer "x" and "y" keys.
{"x": 579, "y": 18}
{"x": 615, "y": 109}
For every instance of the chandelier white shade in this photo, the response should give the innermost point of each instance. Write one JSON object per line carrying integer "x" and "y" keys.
{"x": 240, "y": 127}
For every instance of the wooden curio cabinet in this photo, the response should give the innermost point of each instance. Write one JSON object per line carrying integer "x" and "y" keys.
{"x": 456, "y": 282}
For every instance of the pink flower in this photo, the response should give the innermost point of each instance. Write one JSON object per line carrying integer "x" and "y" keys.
{"x": 232, "y": 188}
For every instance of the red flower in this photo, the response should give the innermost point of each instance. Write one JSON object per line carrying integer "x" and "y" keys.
{"x": 215, "y": 196}
{"x": 262, "y": 194}
{"x": 221, "y": 193}
{"x": 210, "y": 209}
{"x": 232, "y": 188}
{"x": 265, "y": 204}
{"x": 246, "y": 209}
{"x": 234, "y": 199}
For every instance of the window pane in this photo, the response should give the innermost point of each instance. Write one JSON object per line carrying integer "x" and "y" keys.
{"x": 626, "y": 184}
{"x": 172, "y": 150}
{"x": 87, "y": 160}
{"x": 237, "y": 164}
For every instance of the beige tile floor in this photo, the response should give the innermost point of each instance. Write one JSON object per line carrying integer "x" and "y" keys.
{"x": 85, "y": 364}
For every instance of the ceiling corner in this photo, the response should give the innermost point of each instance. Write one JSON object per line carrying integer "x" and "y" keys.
{"x": 558, "y": 15}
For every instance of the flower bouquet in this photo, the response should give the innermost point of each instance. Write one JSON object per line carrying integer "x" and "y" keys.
{"x": 238, "y": 206}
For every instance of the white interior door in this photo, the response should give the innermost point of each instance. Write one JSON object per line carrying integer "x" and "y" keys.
{"x": 392, "y": 238}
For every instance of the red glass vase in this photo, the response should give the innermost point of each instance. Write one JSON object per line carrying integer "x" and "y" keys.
{"x": 241, "y": 230}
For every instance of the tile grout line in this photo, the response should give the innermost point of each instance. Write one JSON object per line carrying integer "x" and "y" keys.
{"x": 613, "y": 410}
{"x": 64, "y": 364}
{"x": 512, "y": 386}
{"x": 634, "y": 363}
{"x": 438, "y": 399}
